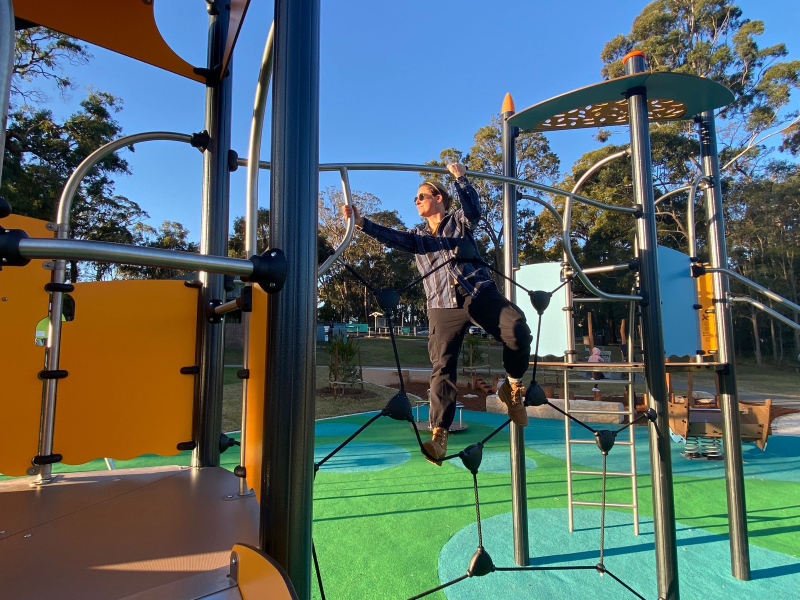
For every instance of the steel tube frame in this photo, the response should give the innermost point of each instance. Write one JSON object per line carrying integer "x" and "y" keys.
{"x": 132, "y": 255}
{"x": 6, "y": 65}
{"x": 606, "y": 269}
{"x": 288, "y": 449}
{"x": 691, "y": 229}
{"x": 759, "y": 288}
{"x": 653, "y": 339}
{"x": 766, "y": 309}
{"x": 731, "y": 431}
{"x": 251, "y": 221}
{"x": 516, "y": 434}
{"x": 349, "y": 231}
{"x": 53, "y": 348}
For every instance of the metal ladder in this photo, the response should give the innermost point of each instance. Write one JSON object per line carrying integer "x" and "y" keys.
{"x": 631, "y": 443}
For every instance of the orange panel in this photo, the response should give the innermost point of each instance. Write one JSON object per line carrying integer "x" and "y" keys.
{"x": 259, "y": 577}
{"x": 23, "y": 303}
{"x": 708, "y": 318}
{"x": 257, "y": 360}
{"x": 125, "y": 395}
{"x": 124, "y": 26}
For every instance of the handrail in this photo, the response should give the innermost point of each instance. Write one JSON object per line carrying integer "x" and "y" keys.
{"x": 351, "y": 226}
{"x": 759, "y": 288}
{"x": 670, "y": 193}
{"x": 565, "y": 233}
{"x": 691, "y": 231}
{"x": 766, "y": 309}
{"x": 443, "y": 171}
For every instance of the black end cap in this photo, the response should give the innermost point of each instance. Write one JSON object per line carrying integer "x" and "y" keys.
{"x": 233, "y": 160}
{"x": 480, "y": 564}
{"x": 269, "y": 270}
{"x": 387, "y": 299}
{"x": 186, "y": 446}
{"x": 243, "y": 373}
{"x": 398, "y": 408}
{"x": 605, "y": 439}
{"x": 540, "y": 300}
{"x": 534, "y": 395}
{"x": 59, "y": 287}
{"x": 246, "y": 299}
{"x": 193, "y": 283}
{"x": 639, "y": 212}
{"x": 48, "y": 459}
{"x": 698, "y": 270}
{"x": 9, "y": 248}
{"x": 193, "y": 370}
{"x": 240, "y": 471}
{"x": 472, "y": 456}
{"x": 5, "y": 208}
{"x": 56, "y": 374}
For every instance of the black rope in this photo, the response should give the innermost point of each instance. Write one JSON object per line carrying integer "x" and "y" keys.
{"x": 554, "y": 568}
{"x": 396, "y": 354}
{"x": 316, "y": 568}
{"x": 623, "y": 584}
{"x": 536, "y": 351}
{"x": 603, "y": 511}
{"x": 359, "y": 277}
{"x": 347, "y": 441}
{"x": 439, "y": 587}
{"x": 578, "y": 421}
{"x": 402, "y": 291}
{"x": 477, "y": 509}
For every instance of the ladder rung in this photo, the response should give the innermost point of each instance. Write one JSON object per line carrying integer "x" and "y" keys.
{"x": 614, "y": 504}
{"x": 599, "y": 412}
{"x": 593, "y": 442}
{"x": 614, "y": 473}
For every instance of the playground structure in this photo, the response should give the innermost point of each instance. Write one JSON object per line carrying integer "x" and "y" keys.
{"x": 277, "y": 436}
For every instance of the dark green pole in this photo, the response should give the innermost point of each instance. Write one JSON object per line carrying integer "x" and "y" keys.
{"x": 213, "y": 239}
{"x": 288, "y": 451}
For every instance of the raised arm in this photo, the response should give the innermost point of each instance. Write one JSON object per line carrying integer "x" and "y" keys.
{"x": 470, "y": 211}
{"x": 399, "y": 240}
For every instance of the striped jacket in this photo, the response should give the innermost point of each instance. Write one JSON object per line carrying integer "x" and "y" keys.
{"x": 432, "y": 250}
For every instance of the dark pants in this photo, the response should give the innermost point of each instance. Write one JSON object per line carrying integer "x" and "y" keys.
{"x": 495, "y": 315}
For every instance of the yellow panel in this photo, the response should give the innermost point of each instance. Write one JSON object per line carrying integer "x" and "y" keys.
{"x": 260, "y": 577}
{"x": 708, "y": 319}
{"x": 23, "y": 303}
{"x": 257, "y": 360}
{"x": 125, "y": 395}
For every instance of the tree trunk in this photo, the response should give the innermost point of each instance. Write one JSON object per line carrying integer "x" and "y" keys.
{"x": 756, "y": 338}
{"x": 775, "y": 358}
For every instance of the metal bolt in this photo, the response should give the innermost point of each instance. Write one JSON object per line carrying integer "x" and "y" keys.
{"x": 5, "y": 299}
{"x": 273, "y": 254}
{"x": 230, "y": 496}
{"x": 272, "y": 285}
{"x": 48, "y": 265}
{"x": 27, "y": 535}
{"x": 2, "y": 532}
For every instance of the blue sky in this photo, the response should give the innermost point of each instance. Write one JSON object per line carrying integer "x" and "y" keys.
{"x": 400, "y": 81}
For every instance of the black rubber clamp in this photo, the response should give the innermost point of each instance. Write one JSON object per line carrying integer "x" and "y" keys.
{"x": 633, "y": 265}
{"x": 698, "y": 270}
{"x": 56, "y": 374}
{"x": 269, "y": 270}
{"x": 697, "y": 306}
{"x": 193, "y": 370}
{"x": 202, "y": 139}
{"x": 48, "y": 459}
{"x": 59, "y": 287}
{"x": 245, "y": 299}
{"x": 233, "y": 160}
{"x": 211, "y": 316}
{"x": 193, "y": 283}
{"x": 243, "y": 373}
{"x": 639, "y": 212}
{"x": 240, "y": 471}
{"x": 187, "y": 445}
{"x": 9, "y": 248}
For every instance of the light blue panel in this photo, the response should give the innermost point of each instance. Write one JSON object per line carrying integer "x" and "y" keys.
{"x": 547, "y": 277}
{"x": 678, "y": 297}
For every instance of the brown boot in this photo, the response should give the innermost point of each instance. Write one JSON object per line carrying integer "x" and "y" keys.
{"x": 513, "y": 396}
{"x": 437, "y": 446}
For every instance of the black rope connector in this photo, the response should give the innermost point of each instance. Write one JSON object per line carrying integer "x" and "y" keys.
{"x": 398, "y": 408}
{"x": 540, "y": 300}
{"x": 226, "y": 442}
{"x": 269, "y": 270}
{"x": 472, "y": 456}
{"x": 605, "y": 439}
{"x": 9, "y": 248}
{"x": 200, "y": 140}
{"x": 481, "y": 563}
{"x": 651, "y": 414}
{"x": 388, "y": 299}
{"x": 534, "y": 395}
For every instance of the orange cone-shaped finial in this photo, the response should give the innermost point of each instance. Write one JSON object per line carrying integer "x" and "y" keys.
{"x": 508, "y": 104}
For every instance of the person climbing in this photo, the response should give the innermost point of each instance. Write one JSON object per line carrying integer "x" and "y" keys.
{"x": 458, "y": 294}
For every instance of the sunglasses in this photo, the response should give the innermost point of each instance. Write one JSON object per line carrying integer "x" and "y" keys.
{"x": 421, "y": 197}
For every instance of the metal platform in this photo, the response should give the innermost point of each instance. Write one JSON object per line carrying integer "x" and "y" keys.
{"x": 672, "y": 367}
{"x": 142, "y": 534}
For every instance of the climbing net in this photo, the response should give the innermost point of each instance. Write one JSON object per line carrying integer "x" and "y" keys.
{"x": 399, "y": 409}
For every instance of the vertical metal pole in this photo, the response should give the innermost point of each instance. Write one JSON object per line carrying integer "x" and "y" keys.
{"x": 731, "y": 435}
{"x": 519, "y": 497}
{"x": 251, "y": 220}
{"x": 288, "y": 449}
{"x": 570, "y": 356}
{"x": 632, "y": 415}
{"x": 653, "y": 339}
{"x": 214, "y": 239}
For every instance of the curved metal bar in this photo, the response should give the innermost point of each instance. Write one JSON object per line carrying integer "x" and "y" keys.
{"x": 767, "y": 309}
{"x": 565, "y": 233}
{"x": 251, "y": 220}
{"x": 351, "y": 226}
{"x": 759, "y": 288}
{"x": 671, "y": 193}
{"x": 6, "y": 64}
{"x": 691, "y": 230}
{"x": 553, "y": 210}
{"x": 132, "y": 255}
{"x": 443, "y": 171}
